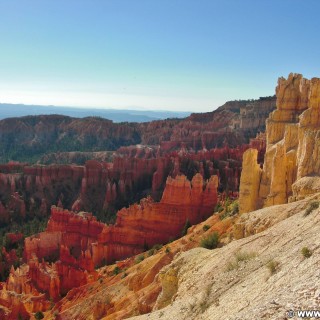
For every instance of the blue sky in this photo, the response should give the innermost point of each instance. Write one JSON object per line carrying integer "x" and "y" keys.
{"x": 187, "y": 55}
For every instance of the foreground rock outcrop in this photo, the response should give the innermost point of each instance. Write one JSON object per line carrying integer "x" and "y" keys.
{"x": 291, "y": 165}
{"x": 132, "y": 286}
{"x": 234, "y": 281}
{"x": 262, "y": 276}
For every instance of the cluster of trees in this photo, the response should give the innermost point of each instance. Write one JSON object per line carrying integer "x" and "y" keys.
{"x": 29, "y": 227}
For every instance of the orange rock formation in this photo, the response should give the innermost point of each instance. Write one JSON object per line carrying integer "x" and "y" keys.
{"x": 291, "y": 165}
{"x": 76, "y": 243}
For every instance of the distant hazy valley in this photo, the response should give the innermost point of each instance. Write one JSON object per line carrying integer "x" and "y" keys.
{"x": 122, "y": 115}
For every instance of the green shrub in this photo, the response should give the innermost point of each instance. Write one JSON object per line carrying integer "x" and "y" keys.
{"x": 312, "y": 206}
{"x": 205, "y": 227}
{"x": 187, "y": 225}
{"x": 39, "y": 315}
{"x": 306, "y": 252}
{"x": 168, "y": 250}
{"x": 227, "y": 203}
{"x": 273, "y": 266}
{"x": 157, "y": 246}
{"x": 154, "y": 249}
{"x": 211, "y": 241}
{"x": 116, "y": 270}
{"x": 140, "y": 258}
{"x": 234, "y": 207}
{"x": 231, "y": 208}
{"x": 218, "y": 208}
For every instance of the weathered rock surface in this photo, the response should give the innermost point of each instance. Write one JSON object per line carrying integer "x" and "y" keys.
{"x": 291, "y": 165}
{"x": 135, "y": 290}
{"x": 183, "y": 281}
{"x": 249, "y": 182}
{"x": 238, "y": 282}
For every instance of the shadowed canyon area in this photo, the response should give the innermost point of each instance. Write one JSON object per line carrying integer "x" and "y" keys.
{"x": 211, "y": 216}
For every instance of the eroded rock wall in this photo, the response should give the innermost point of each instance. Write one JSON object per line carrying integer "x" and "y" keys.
{"x": 74, "y": 244}
{"x": 291, "y": 169}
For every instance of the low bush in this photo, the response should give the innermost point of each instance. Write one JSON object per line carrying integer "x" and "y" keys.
{"x": 116, "y": 270}
{"x": 232, "y": 265}
{"x": 273, "y": 266}
{"x": 157, "y": 246}
{"x": 312, "y": 206}
{"x": 240, "y": 257}
{"x": 211, "y": 241}
{"x": 187, "y": 225}
{"x": 234, "y": 207}
{"x": 218, "y": 208}
{"x": 39, "y": 315}
{"x": 231, "y": 209}
{"x": 205, "y": 227}
{"x": 245, "y": 256}
{"x": 140, "y": 258}
{"x": 306, "y": 252}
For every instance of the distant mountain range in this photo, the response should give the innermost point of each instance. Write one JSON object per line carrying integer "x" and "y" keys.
{"x": 121, "y": 115}
{"x": 29, "y": 138}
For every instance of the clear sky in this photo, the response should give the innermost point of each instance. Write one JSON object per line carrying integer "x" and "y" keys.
{"x": 188, "y": 55}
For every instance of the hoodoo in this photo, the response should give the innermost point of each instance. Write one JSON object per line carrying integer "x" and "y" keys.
{"x": 291, "y": 163}
{"x": 75, "y": 243}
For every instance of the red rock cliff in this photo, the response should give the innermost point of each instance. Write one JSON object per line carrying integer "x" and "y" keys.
{"x": 77, "y": 242}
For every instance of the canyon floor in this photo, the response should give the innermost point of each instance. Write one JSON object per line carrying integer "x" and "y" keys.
{"x": 261, "y": 276}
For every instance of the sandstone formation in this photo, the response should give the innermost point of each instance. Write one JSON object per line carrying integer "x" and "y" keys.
{"x": 74, "y": 244}
{"x": 249, "y": 182}
{"x": 28, "y": 191}
{"x": 136, "y": 288}
{"x": 146, "y": 224}
{"x": 210, "y": 143}
{"x": 291, "y": 166}
{"x": 235, "y": 281}
{"x": 180, "y": 162}
{"x": 233, "y": 122}
{"x": 183, "y": 281}
{"x": 34, "y": 136}
{"x": 105, "y": 187}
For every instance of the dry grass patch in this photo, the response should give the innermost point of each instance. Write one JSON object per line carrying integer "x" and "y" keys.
{"x": 240, "y": 257}
{"x": 273, "y": 266}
